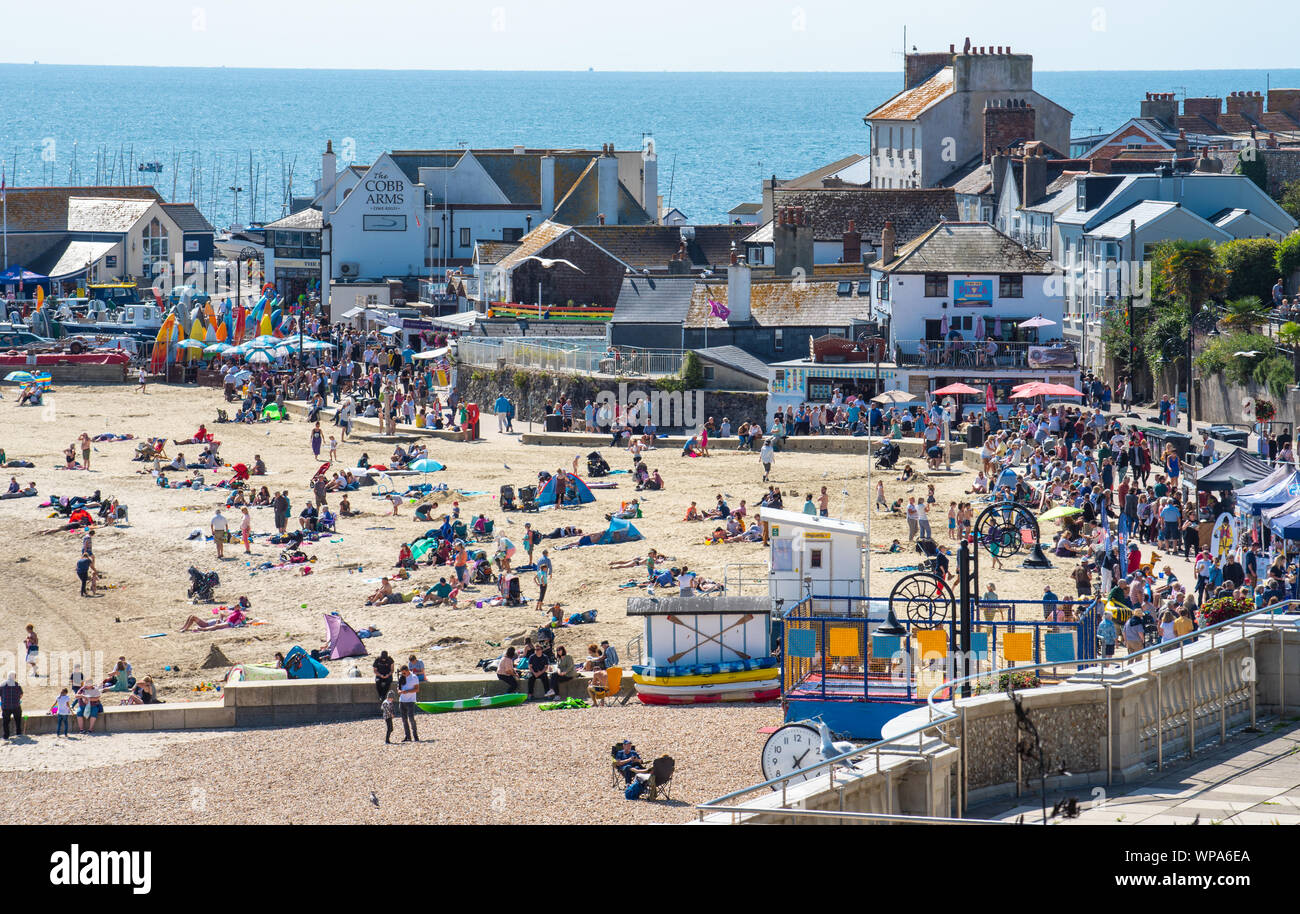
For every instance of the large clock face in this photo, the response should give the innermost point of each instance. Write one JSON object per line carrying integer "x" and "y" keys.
{"x": 793, "y": 747}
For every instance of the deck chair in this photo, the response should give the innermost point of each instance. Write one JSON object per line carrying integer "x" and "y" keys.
{"x": 615, "y": 676}
{"x": 660, "y": 777}
{"x": 616, "y": 776}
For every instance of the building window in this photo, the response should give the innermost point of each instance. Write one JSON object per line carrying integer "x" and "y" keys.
{"x": 1011, "y": 285}
{"x": 434, "y": 236}
{"x": 936, "y": 285}
{"x": 815, "y": 558}
{"x": 778, "y": 340}
{"x": 464, "y": 237}
{"x": 154, "y": 245}
{"x": 844, "y": 287}
{"x": 864, "y": 287}
{"x": 512, "y": 234}
{"x": 708, "y": 372}
{"x": 882, "y": 289}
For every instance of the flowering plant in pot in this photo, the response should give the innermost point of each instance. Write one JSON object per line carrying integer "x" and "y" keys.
{"x": 1221, "y": 609}
{"x": 1265, "y": 410}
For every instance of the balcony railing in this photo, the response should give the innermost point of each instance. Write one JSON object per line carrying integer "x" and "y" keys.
{"x": 999, "y": 355}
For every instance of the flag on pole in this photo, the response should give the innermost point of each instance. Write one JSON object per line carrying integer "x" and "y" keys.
{"x": 719, "y": 310}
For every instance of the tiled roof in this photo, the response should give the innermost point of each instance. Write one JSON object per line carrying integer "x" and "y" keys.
{"x": 782, "y": 303}
{"x": 188, "y": 217}
{"x": 830, "y": 210}
{"x": 745, "y": 209}
{"x": 490, "y": 252}
{"x": 910, "y": 103}
{"x": 304, "y": 220}
{"x": 965, "y": 247}
{"x": 75, "y": 255}
{"x": 976, "y": 180}
{"x": 45, "y": 209}
{"x": 654, "y": 300}
{"x": 103, "y": 214}
{"x": 735, "y": 358}
{"x": 817, "y": 176}
{"x": 650, "y": 247}
{"x": 580, "y": 205}
{"x": 532, "y": 243}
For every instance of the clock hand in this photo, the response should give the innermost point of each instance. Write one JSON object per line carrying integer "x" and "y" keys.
{"x": 801, "y": 758}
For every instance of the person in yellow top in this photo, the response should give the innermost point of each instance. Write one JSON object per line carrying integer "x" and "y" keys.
{"x": 1183, "y": 625}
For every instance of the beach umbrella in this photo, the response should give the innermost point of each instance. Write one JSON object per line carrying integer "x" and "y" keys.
{"x": 894, "y": 396}
{"x": 242, "y": 375}
{"x": 259, "y": 357}
{"x": 427, "y": 465}
{"x": 990, "y": 404}
{"x": 943, "y": 326}
{"x": 979, "y": 326}
{"x": 217, "y": 348}
{"x": 1059, "y": 512}
{"x": 189, "y": 344}
{"x": 1035, "y": 322}
{"x": 1060, "y": 390}
{"x": 1029, "y": 391}
{"x": 957, "y": 388}
{"x": 20, "y": 377}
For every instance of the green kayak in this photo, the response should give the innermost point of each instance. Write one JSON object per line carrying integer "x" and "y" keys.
{"x": 469, "y": 704}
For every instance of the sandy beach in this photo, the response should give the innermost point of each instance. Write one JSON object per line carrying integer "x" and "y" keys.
{"x": 145, "y": 563}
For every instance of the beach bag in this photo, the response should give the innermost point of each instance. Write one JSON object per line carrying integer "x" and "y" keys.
{"x": 635, "y": 789}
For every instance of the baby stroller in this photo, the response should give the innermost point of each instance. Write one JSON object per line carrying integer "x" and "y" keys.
{"x": 202, "y": 585}
{"x": 514, "y": 596}
{"x": 596, "y": 465}
{"x": 928, "y": 548}
{"x": 887, "y": 455}
{"x": 508, "y": 499}
{"x": 483, "y": 572}
{"x": 528, "y": 498}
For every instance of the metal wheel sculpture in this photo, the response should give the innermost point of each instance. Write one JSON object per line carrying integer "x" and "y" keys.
{"x": 922, "y": 597}
{"x": 1005, "y": 528}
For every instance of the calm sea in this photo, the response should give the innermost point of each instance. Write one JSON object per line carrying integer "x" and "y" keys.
{"x": 718, "y": 134}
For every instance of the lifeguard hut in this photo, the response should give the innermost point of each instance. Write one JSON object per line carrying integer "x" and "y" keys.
{"x": 812, "y": 556}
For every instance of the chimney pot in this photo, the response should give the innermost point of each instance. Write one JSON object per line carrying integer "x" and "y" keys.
{"x": 952, "y": 49}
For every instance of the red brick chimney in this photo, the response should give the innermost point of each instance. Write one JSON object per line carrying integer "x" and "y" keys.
{"x": 887, "y": 242}
{"x": 852, "y": 244}
{"x": 1006, "y": 123}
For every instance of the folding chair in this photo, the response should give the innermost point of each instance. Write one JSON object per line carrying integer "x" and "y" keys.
{"x": 614, "y": 675}
{"x": 659, "y": 779}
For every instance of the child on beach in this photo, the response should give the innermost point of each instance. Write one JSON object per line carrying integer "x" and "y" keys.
{"x": 334, "y": 450}
{"x": 952, "y": 520}
{"x": 386, "y": 709}
{"x": 63, "y": 710}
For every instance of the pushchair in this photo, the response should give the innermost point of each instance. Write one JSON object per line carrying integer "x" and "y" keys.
{"x": 508, "y": 499}
{"x": 483, "y": 572}
{"x": 887, "y": 455}
{"x": 596, "y": 465}
{"x": 928, "y": 548}
{"x": 528, "y": 498}
{"x": 202, "y": 585}
{"x": 514, "y": 596}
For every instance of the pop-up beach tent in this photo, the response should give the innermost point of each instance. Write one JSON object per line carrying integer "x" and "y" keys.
{"x": 1279, "y": 494}
{"x": 619, "y": 531}
{"x": 343, "y": 640}
{"x": 301, "y": 665}
{"x": 575, "y": 492}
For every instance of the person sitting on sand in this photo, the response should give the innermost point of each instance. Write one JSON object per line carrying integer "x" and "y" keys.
{"x": 404, "y": 559}
{"x": 237, "y": 499}
{"x": 263, "y": 498}
{"x": 179, "y": 463}
{"x": 345, "y": 506}
{"x": 259, "y": 465}
{"x": 383, "y": 595}
{"x": 441, "y": 594}
{"x": 908, "y": 472}
{"x": 720, "y": 509}
{"x": 693, "y": 513}
{"x": 981, "y": 485}
{"x": 896, "y": 507}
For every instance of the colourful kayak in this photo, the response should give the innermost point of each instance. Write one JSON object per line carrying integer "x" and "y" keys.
{"x": 706, "y": 669}
{"x": 710, "y": 688}
{"x": 711, "y": 678}
{"x": 469, "y": 704}
{"x": 709, "y": 698}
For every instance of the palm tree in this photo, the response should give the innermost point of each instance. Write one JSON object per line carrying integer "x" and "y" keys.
{"x": 1289, "y": 335}
{"x": 1245, "y": 314}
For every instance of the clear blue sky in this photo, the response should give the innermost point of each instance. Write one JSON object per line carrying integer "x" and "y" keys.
{"x": 693, "y": 35}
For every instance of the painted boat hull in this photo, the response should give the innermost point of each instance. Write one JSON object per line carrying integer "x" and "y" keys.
{"x": 710, "y": 679}
{"x": 471, "y": 704}
{"x": 706, "y": 669}
{"x": 704, "y": 699}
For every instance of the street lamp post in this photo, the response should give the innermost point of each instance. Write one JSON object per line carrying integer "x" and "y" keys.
{"x": 236, "y": 191}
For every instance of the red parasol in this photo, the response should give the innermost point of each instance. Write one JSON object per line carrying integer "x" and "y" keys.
{"x": 957, "y": 388}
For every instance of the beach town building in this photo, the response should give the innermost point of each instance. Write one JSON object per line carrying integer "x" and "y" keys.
{"x": 103, "y": 234}
{"x": 949, "y": 306}
{"x": 418, "y": 214}
{"x": 956, "y": 107}
{"x": 812, "y": 555}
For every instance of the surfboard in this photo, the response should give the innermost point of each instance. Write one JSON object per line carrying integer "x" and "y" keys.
{"x": 706, "y": 669}
{"x": 701, "y": 699}
{"x": 712, "y": 678}
{"x": 469, "y": 704}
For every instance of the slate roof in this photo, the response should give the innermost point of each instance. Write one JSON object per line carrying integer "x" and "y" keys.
{"x": 650, "y": 247}
{"x": 188, "y": 217}
{"x": 965, "y": 247}
{"x": 491, "y": 252}
{"x": 781, "y": 303}
{"x": 73, "y": 257}
{"x": 103, "y": 214}
{"x": 580, "y": 205}
{"x": 304, "y": 220}
{"x": 532, "y": 243}
{"x": 745, "y": 209}
{"x": 45, "y": 209}
{"x": 912, "y": 210}
{"x": 735, "y": 358}
{"x": 817, "y": 176}
{"x": 976, "y": 178}
{"x": 911, "y": 103}
{"x": 654, "y": 300}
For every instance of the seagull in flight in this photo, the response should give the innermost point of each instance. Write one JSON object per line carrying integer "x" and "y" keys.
{"x": 549, "y": 262}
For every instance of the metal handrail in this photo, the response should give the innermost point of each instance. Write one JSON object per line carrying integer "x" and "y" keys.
{"x": 893, "y": 744}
